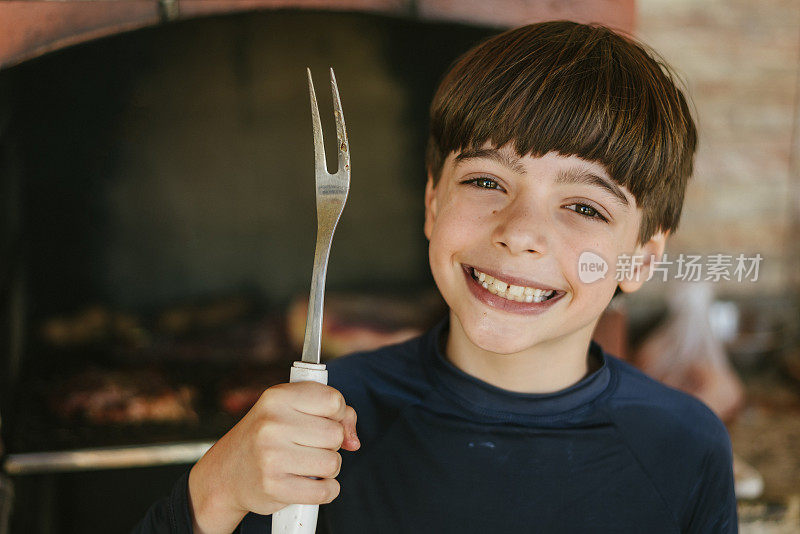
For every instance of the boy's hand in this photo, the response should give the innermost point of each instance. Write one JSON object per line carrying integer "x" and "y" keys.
{"x": 263, "y": 463}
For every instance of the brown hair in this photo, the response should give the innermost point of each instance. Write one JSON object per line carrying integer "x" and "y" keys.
{"x": 579, "y": 90}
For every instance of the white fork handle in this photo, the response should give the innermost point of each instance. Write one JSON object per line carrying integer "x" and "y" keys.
{"x": 300, "y": 518}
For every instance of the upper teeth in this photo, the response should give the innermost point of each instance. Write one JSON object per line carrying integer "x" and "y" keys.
{"x": 511, "y": 292}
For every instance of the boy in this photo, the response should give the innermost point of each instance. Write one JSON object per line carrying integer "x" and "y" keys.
{"x": 547, "y": 142}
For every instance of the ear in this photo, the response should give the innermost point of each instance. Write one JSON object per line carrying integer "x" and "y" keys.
{"x": 645, "y": 256}
{"x": 430, "y": 206}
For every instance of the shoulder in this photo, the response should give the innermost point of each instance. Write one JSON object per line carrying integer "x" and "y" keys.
{"x": 641, "y": 403}
{"x": 676, "y": 439}
{"x": 396, "y": 370}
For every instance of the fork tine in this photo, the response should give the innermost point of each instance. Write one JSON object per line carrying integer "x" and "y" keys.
{"x": 319, "y": 144}
{"x": 341, "y": 130}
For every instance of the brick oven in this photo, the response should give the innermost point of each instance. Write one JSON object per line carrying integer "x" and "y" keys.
{"x": 158, "y": 224}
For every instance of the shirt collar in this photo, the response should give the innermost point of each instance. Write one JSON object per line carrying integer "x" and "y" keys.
{"x": 485, "y": 397}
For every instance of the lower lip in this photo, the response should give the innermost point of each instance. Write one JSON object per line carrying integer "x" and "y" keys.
{"x": 500, "y": 303}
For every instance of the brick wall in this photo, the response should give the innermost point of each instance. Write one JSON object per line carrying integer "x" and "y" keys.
{"x": 740, "y": 61}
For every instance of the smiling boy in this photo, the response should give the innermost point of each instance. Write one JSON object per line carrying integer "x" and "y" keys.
{"x": 547, "y": 141}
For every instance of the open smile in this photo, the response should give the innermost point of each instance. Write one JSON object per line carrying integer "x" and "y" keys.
{"x": 510, "y": 293}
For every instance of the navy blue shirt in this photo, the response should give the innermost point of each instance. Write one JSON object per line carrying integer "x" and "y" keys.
{"x": 443, "y": 451}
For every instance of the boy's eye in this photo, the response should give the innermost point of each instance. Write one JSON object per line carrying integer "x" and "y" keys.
{"x": 483, "y": 182}
{"x": 588, "y": 212}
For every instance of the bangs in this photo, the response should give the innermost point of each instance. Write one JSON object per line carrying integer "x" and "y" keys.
{"x": 577, "y": 90}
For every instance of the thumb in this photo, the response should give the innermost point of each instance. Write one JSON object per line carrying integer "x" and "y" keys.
{"x": 351, "y": 442}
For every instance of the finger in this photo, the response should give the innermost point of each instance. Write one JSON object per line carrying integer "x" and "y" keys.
{"x": 351, "y": 441}
{"x": 311, "y": 462}
{"x": 318, "y": 399}
{"x": 302, "y": 490}
{"x": 316, "y": 431}
{"x": 329, "y": 403}
{"x": 308, "y": 397}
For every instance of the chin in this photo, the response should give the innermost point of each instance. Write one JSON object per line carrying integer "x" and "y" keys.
{"x": 498, "y": 336}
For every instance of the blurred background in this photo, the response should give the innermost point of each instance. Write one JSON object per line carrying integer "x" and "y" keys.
{"x": 157, "y": 226}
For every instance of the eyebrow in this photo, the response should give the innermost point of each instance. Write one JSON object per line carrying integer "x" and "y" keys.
{"x": 580, "y": 176}
{"x": 569, "y": 176}
{"x": 503, "y": 158}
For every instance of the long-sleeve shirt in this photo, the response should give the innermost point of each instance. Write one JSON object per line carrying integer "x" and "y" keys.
{"x": 443, "y": 451}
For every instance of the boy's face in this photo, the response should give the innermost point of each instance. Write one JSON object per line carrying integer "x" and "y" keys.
{"x": 525, "y": 222}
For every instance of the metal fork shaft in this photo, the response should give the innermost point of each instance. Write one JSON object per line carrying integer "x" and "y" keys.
{"x": 313, "y": 335}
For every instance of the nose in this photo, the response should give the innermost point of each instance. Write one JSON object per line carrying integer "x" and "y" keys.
{"x": 521, "y": 228}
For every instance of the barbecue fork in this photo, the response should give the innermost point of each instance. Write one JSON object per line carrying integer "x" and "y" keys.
{"x": 331, "y": 195}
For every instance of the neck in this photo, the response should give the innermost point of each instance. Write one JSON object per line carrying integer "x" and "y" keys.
{"x": 545, "y": 368}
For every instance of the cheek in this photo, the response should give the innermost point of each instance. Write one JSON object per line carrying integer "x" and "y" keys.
{"x": 577, "y": 248}
{"x": 456, "y": 225}
{"x": 445, "y": 240}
